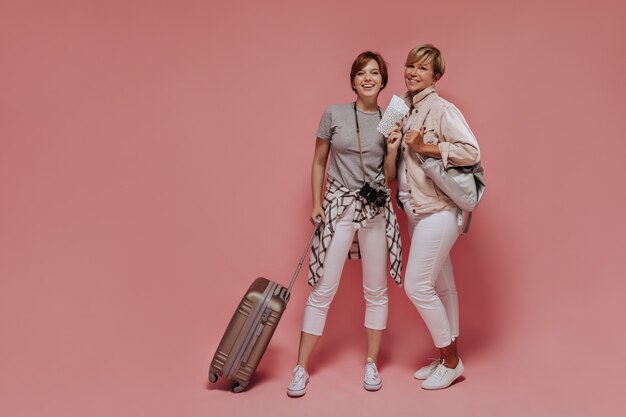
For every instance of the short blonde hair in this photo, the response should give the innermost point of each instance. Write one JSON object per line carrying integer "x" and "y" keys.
{"x": 428, "y": 53}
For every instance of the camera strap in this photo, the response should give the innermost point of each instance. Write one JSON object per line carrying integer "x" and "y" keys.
{"x": 358, "y": 137}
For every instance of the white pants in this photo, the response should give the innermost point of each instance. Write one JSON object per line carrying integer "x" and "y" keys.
{"x": 429, "y": 281}
{"x": 374, "y": 252}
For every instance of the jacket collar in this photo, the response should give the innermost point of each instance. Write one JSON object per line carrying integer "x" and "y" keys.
{"x": 419, "y": 97}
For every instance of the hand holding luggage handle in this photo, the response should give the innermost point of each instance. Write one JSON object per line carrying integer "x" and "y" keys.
{"x": 282, "y": 292}
{"x": 318, "y": 223}
{"x": 258, "y": 318}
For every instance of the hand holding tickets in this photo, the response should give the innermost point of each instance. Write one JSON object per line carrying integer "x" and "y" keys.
{"x": 396, "y": 111}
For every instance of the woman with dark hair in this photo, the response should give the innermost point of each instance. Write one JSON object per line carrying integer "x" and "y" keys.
{"x": 355, "y": 202}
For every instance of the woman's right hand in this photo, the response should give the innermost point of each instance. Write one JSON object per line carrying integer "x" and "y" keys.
{"x": 393, "y": 140}
{"x": 318, "y": 211}
{"x": 395, "y": 137}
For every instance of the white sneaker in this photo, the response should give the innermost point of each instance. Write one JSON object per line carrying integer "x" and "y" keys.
{"x": 297, "y": 386}
{"x": 443, "y": 377}
{"x": 427, "y": 370}
{"x": 371, "y": 379}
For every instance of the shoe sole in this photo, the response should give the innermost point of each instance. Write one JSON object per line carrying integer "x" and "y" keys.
{"x": 296, "y": 394}
{"x": 442, "y": 387}
{"x": 372, "y": 387}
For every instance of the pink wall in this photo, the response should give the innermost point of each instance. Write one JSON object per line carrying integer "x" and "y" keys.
{"x": 154, "y": 159}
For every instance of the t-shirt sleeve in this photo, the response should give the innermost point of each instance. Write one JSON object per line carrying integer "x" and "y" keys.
{"x": 325, "y": 129}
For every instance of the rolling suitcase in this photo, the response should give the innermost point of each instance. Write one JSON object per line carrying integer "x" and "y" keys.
{"x": 251, "y": 328}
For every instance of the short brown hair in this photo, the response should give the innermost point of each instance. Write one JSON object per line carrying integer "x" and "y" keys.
{"x": 428, "y": 53}
{"x": 361, "y": 61}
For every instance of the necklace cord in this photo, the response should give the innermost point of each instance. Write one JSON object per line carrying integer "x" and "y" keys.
{"x": 358, "y": 138}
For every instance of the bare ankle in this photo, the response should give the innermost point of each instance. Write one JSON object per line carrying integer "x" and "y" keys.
{"x": 451, "y": 362}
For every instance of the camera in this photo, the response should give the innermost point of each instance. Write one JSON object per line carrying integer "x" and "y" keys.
{"x": 369, "y": 194}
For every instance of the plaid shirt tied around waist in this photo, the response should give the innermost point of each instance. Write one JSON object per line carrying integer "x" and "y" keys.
{"x": 336, "y": 199}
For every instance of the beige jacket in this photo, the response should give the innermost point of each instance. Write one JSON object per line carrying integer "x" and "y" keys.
{"x": 446, "y": 127}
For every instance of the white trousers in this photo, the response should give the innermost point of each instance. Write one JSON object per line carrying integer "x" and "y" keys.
{"x": 429, "y": 280}
{"x": 374, "y": 253}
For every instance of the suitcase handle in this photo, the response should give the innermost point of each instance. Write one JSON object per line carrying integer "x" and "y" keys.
{"x": 318, "y": 223}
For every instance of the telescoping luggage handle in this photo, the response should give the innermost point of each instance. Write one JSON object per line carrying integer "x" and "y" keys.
{"x": 318, "y": 223}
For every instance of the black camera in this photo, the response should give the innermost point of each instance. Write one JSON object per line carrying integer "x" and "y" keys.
{"x": 369, "y": 194}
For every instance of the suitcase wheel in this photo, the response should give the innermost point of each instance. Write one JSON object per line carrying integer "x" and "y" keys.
{"x": 212, "y": 377}
{"x": 237, "y": 387}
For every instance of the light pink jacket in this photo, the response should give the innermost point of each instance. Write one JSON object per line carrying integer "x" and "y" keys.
{"x": 446, "y": 127}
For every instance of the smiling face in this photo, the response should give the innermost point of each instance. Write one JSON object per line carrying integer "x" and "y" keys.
{"x": 419, "y": 76}
{"x": 368, "y": 81}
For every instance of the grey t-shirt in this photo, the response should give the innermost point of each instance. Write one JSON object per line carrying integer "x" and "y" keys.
{"x": 338, "y": 126}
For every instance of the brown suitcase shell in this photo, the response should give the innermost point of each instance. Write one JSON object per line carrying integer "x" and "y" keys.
{"x": 248, "y": 333}
{"x": 251, "y": 328}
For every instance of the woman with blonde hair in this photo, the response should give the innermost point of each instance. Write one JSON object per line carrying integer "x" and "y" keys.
{"x": 435, "y": 128}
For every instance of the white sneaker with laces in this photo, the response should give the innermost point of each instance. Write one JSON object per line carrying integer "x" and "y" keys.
{"x": 297, "y": 386}
{"x": 371, "y": 379}
{"x": 427, "y": 370}
{"x": 443, "y": 377}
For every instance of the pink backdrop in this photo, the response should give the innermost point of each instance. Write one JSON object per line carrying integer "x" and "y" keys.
{"x": 155, "y": 157}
